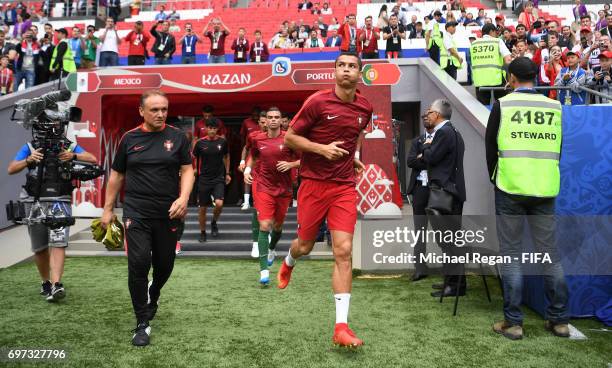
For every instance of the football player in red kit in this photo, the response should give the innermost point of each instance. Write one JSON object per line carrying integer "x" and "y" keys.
{"x": 273, "y": 194}
{"x": 328, "y": 131}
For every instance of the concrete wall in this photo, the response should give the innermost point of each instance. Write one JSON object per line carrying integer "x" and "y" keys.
{"x": 13, "y": 136}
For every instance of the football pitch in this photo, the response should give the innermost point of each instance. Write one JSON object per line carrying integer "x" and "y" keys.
{"x": 213, "y": 313}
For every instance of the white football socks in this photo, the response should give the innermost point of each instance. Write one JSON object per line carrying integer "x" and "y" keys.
{"x": 263, "y": 274}
{"x": 290, "y": 260}
{"x": 247, "y": 196}
{"x": 342, "y": 307}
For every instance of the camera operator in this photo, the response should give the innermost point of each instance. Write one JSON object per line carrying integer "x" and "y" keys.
{"x": 50, "y": 263}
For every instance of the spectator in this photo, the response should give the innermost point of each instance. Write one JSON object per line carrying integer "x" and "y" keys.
{"x": 410, "y": 7}
{"x": 297, "y": 39}
{"x": 369, "y": 40}
{"x": 412, "y": 25}
{"x": 499, "y": 4}
{"x": 7, "y": 48}
{"x": 6, "y": 76}
{"x": 259, "y": 49}
{"x": 350, "y": 34}
{"x": 334, "y": 25}
{"x": 306, "y": 5}
{"x": 22, "y": 25}
{"x": 552, "y": 69}
{"x": 188, "y": 43}
{"x": 480, "y": 19}
{"x": 114, "y": 9}
{"x": 401, "y": 15}
{"x": 34, "y": 30}
{"x": 77, "y": 45}
{"x": 500, "y": 24}
{"x": 520, "y": 50}
{"x": 88, "y": 60}
{"x": 585, "y": 21}
{"x": 41, "y": 74}
{"x": 321, "y": 27}
{"x": 593, "y": 49}
{"x": 527, "y": 18}
{"x": 109, "y": 50}
{"x": 608, "y": 30}
{"x": 523, "y": 35}
{"x": 542, "y": 57}
{"x": 600, "y": 76}
{"x": 418, "y": 32}
{"x": 164, "y": 45}
{"x": 314, "y": 41}
{"x": 326, "y": 9}
{"x": 138, "y": 40}
{"x": 334, "y": 40}
{"x": 567, "y": 38}
{"x": 50, "y": 33}
{"x": 383, "y": 19}
{"x": 509, "y": 38}
{"x": 174, "y": 15}
{"x": 572, "y": 76}
{"x": 601, "y": 22}
{"x": 161, "y": 15}
{"x": 280, "y": 40}
{"x": 25, "y": 67}
{"x": 394, "y": 34}
{"x": 173, "y": 27}
{"x": 579, "y": 11}
{"x": 217, "y": 40}
{"x": 10, "y": 15}
{"x": 470, "y": 21}
{"x": 463, "y": 17}
{"x": 315, "y": 10}
{"x": 240, "y": 47}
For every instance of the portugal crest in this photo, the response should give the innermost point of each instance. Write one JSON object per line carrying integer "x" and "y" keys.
{"x": 168, "y": 144}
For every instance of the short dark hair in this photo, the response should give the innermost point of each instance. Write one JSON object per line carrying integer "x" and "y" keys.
{"x": 212, "y": 123}
{"x": 523, "y": 69}
{"x": 488, "y": 28}
{"x": 274, "y": 108}
{"x": 585, "y": 16}
{"x": 553, "y": 33}
{"x": 208, "y": 108}
{"x": 521, "y": 25}
{"x": 150, "y": 93}
{"x": 419, "y": 24}
{"x": 437, "y": 13}
{"x": 353, "y": 54}
{"x": 62, "y": 31}
{"x": 368, "y": 17}
{"x": 257, "y": 31}
{"x": 49, "y": 24}
{"x": 262, "y": 114}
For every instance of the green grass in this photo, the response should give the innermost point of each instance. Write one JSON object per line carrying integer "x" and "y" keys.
{"x": 213, "y": 314}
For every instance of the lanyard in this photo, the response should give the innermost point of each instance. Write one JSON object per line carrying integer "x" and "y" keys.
{"x": 163, "y": 41}
{"x": 258, "y": 48}
{"x": 190, "y": 40}
{"x": 216, "y": 36}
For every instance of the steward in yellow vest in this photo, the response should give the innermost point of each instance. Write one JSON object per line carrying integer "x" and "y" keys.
{"x": 488, "y": 56}
{"x": 433, "y": 38}
{"x": 523, "y": 148}
{"x": 62, "y": 59}
{"x": 450, "y": 60}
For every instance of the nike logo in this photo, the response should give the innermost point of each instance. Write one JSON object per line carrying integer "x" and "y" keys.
{"x": 173, "y": 229}
{"x": 138, "y": 148}
{"x": 329, "y": 117}
{"x": 262, "y": 148}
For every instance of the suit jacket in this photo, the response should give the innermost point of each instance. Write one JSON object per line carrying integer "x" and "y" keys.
{"x": 328, "y": 43}
{"x": 439, "y": 155}
{"x": 416, "y": 164}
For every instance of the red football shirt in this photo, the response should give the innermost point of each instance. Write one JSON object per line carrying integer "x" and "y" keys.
{"x": 324, "y": 119}
{"x": 250, "y": 142}
{"x": 268, "y": 152}
{"x": 138, "y": 43}
{"x": 219, "y": 39}
{"x": 199, "y": 129}
{"x": 248, "y": 126}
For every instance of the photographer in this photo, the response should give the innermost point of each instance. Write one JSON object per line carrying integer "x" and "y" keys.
{"x": 600, "y": 78}
{"x": 50, "y": 263}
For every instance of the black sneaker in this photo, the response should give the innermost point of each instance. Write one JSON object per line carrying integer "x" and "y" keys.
{"x": 202, "y": 237}
{"x": 57, "y": 292}
{"x": 141, "y": 334}
{"x": 214, "y": 230}
{"x": 45, "y": 288}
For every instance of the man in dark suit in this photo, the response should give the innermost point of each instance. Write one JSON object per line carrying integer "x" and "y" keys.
{"x": 417, "y": 186}
{"x": 334, "y": 40}
{"x": 443, "y": 156}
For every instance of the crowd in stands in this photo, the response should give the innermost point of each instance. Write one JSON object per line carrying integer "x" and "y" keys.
{"x": 577, "y": 52}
